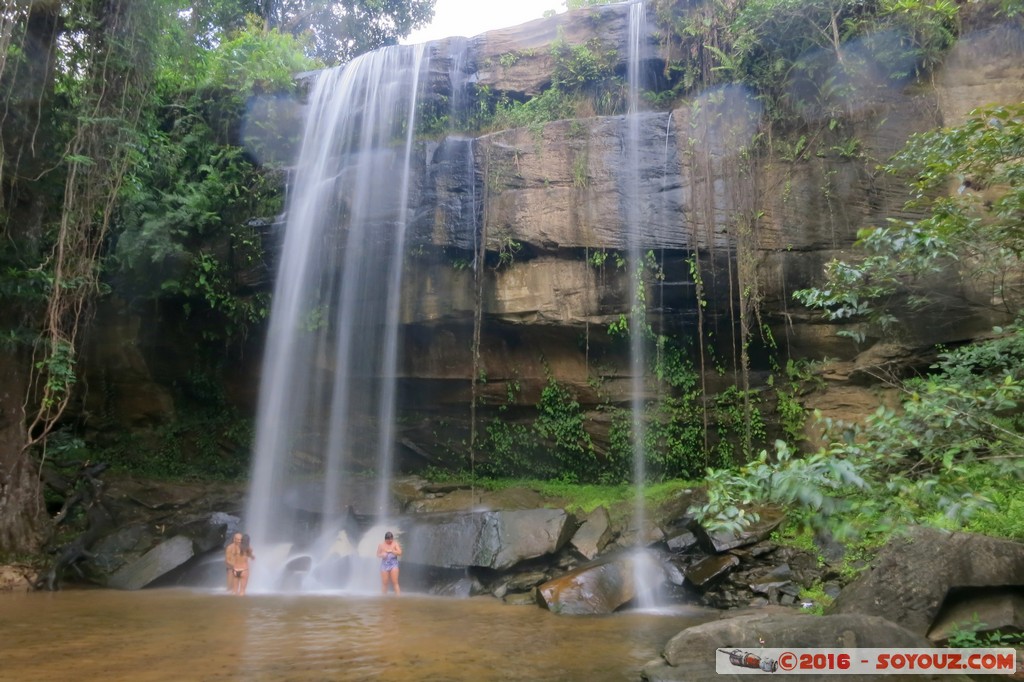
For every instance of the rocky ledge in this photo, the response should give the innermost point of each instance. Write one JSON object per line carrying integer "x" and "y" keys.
{"x": 523, "y": 548}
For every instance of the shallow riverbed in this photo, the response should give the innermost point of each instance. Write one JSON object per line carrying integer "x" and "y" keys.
{"x": 178, "y": 634}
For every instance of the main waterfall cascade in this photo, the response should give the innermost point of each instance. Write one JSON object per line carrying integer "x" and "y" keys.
{"x": 327, "y": 392}
{"x": 326, "y": 419}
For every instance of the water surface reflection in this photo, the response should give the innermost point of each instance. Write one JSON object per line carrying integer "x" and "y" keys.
{"x": 193, "y": 635}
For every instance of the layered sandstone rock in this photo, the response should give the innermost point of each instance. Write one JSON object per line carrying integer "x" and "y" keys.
{"x": 549, "y": 204}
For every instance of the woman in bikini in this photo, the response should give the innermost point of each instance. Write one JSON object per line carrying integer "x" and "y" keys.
{"x": 388, "y": 553}
{"x": 242, "y": 566}
{"x": 230, "y": 556}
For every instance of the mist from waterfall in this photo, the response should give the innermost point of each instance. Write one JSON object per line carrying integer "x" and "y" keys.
{"x": 325, "y": 422}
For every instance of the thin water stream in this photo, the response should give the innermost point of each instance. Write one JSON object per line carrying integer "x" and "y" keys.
{"x": 177, "y": 634}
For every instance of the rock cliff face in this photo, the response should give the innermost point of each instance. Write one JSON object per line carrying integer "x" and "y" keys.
{"x": 559, "y": 191}
{"x": 548, "y": 204}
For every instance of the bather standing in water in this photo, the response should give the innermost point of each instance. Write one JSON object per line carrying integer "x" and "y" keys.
{"x": 241, "y": 566}
{"x": 230, "y": 556}
{"x": 388, "y": 553}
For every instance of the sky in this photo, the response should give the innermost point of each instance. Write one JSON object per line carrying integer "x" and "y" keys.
{"x": 472, "y": 17}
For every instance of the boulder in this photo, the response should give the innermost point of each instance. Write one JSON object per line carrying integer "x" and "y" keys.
{"x": 523, "y": 582}
{"x": 691, "y": 654}
{"x": 710, "y": 570}
{"x": 115, "y": 550}
{"x": 913, "y": 575}
{"x": 127, "y": 545}
{"x": 600, "y": 587}
{"x": 158, "y": 561}
{"x": 460, "y": 587}
{"x": 722, "y": 541}
{"x": 493, "y": 539}
{"x": 207, "y": 533}
{"x": 645, "y": 535}
{"x": 593, "y": 535}
{"x": 682, "y": 542}
{"x": 772, "y": 579}
{"x": 983, "y": 612}
{"x": 521, "y": 598}
{"x": 674, "y": 515}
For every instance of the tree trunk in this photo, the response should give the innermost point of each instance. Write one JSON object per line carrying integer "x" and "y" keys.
{"x": 25, "y": 137}
{"x": 22, "y": 515}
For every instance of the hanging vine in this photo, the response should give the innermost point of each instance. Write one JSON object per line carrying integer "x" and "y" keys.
{"x": 112, "y": 91}
{"x": 478, "y": 305}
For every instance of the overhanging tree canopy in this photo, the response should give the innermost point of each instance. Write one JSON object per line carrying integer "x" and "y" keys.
{"x": 338, "y": 29}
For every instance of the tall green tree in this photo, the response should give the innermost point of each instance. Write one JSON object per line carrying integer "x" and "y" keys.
{"x": 338, "y": 29}
{"x": 27, "y": 63}
{"x": 218, "y": 133}
{"x": 77, "y": 75}
{"x": 120, "y": 126}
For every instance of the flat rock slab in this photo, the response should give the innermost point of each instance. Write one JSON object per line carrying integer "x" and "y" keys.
{"x": 497, "y": 540}
{"x": 162, "y": 559}
{"x": 594, "y": 534}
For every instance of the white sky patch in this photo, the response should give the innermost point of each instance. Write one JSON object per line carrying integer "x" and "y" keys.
{"x": 473, "y": 17}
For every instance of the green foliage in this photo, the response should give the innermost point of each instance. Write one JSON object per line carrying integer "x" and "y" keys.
{"x": 337, "y": 30}
{"x": 620, "y": 327}
{"x": 977, "y": 229}
{"x": 254, "y": 60}
{"x": 674, "y": 440}
{"x": 507, "y": 248}
{"x": 816, "y": 597}
{"x": 560, "y": 423}
{"x": 509, "y": 59}
{"x": 58, "y": 368}
{"x": 207, "y": 440}
{"x": 550, "y": 105}
{"x": 674, "y": 434}
{"x": 791, "y": 412}
{"x": 583, "y": 82}
{"x": 575, "y": 497}
{"x": 674, "y": 437}
{"x": 970, "y": 636}
{"x": 986, "y": 155}
{"x": 185, "y": 225}
{"x": 927, "y": 28}
{"x": 510, "y": 449}
{"x": 792, "y": 415}
{"x": 598, "y": 258}
{"x": 510, "y": 445}
{"x": 585, "y": 68}
{"x": 958, "y": 432}
{"x": 1005, "y": 518}
{"x": 814, "y": 488}
{"x": 209, "y": 282}
{"x": 736, "y": 412}
{"x": 803, "y": 57}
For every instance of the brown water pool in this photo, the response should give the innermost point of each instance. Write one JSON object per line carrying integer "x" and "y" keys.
{"x": 177, "y": 634}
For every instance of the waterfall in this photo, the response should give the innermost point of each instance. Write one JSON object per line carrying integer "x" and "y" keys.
{"x": 325, "y": 422}
{"x": 637, "y": 297}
